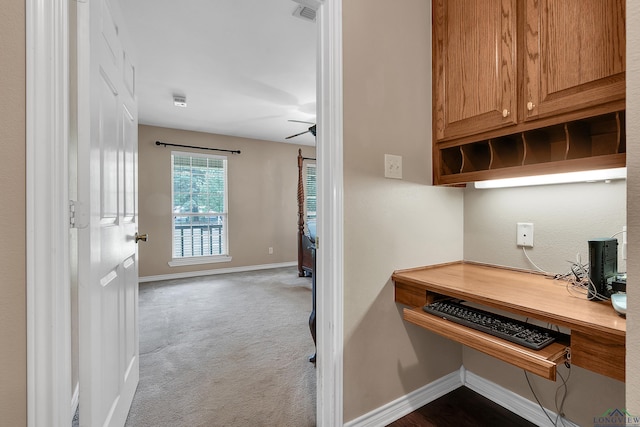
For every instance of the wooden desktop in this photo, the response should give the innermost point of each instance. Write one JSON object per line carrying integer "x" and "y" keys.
{"x": 597, "y": 340}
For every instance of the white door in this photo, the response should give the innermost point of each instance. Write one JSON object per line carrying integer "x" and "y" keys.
{"x": 107, "y": 181}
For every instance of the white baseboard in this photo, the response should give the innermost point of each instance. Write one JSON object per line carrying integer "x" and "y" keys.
{"x": 509, "y": 400}
{"x": 188, "y": 274}
{"x": 392, "y": 411}
{"x": 515, "y": 403}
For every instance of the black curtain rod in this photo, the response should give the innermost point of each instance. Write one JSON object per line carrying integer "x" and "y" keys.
{"x": 308, "y": 158}
{"x": 166, "y": 144}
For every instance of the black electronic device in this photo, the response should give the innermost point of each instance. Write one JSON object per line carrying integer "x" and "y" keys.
{"x": 513, "y": 330}
{"x": 603, "y": 267}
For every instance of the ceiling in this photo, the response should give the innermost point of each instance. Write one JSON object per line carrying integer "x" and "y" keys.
{"x": 246, "y": 67}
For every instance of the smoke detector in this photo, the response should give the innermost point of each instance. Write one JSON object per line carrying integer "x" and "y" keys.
{"x": 180, "y": 101}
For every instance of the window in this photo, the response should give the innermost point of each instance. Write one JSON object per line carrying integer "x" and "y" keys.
{"x": 199, "y": 210}
{"x": 310, "y": 192}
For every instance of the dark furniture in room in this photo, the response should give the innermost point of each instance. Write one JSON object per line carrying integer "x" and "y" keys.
{"x": 306, "y": 227}
{"x": 312, "y": 316}
{"x": 306, "y": 247}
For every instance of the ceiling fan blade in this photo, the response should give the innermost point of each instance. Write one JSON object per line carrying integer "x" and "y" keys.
{"x": 297, "y": 134}
{"x": 300, "y": 121}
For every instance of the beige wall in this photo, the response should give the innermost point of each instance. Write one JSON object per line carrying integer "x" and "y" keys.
{"x": 564, "y": 218}
{"x": 262, "y": 189}
{"x": 633, "y": 205}
{"x": 390, "y": 224}
{"x": 13, "y": 328}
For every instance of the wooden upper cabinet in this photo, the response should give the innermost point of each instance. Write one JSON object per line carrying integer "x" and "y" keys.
{"x": 574, "y": 55}
{"x": 474, "y": 54}
{"x": 527, "y": 87}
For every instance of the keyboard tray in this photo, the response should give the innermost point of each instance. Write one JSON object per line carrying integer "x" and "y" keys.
{"x": 540, "y": 362}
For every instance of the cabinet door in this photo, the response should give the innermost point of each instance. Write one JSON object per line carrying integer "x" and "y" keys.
{"x": 474, "y": 53}
{"x": 575, "y": 55}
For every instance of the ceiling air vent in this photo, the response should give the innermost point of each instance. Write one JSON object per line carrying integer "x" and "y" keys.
{"x": 306, "y": 13}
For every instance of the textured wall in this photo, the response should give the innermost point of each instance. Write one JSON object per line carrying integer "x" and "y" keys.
{"x": 390, "y": 224}
{"x": 633, "y": 204}
{"x": 262, "y": 185}
{"x": 13, "y": 323}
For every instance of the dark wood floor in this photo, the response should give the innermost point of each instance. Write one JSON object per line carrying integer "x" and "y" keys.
{"x": 462, "y": 408}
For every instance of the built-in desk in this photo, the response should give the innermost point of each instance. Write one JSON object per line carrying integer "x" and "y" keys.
{"x": 597, "y": 333}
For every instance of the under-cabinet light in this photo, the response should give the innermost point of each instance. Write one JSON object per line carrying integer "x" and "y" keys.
{"x": 556, "y": 178}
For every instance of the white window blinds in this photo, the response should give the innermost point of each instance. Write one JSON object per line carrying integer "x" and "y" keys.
{"x": 310, "y": 192}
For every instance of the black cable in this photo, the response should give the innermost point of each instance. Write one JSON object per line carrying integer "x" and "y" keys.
{"x": 560, "y": 410}
{"x": 537, "y": 400}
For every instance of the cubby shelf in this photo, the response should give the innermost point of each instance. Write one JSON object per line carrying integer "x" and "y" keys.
{"x": 590, "y": 143}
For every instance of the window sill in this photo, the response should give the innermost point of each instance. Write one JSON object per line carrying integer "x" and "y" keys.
{"x": 178, "y": 262}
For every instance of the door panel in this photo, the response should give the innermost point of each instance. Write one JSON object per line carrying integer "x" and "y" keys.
{"x": 108, "y": 132}
{"x": 474, "y": 51}
{"x": 108, "y": 270}
{"x": 575, "y": 55}
{"x": 130, "y": 146}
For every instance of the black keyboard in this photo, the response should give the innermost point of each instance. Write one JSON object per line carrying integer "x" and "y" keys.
{"x": 518, "y": 332}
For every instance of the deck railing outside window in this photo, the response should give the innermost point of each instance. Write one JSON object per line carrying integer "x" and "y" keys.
{"x": 198, "y": 236}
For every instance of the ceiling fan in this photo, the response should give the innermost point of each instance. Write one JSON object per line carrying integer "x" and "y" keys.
{"x": 311, "y": 129}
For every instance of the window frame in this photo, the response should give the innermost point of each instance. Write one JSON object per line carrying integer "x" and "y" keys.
{"x": 200, "y": 259}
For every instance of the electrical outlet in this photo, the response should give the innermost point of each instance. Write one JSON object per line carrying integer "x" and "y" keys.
{"x": 524, "y": 235}
{"x": 392, "y": 166}
{"x": 270, "y": 251}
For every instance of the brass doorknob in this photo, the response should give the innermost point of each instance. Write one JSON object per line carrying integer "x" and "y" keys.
{"x": 142, "y": 237}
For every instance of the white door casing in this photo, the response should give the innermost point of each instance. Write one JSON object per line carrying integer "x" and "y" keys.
{"x": 107, "y": 181}
{"x": 330, "y": 268}
{"x": 47, "y": 215}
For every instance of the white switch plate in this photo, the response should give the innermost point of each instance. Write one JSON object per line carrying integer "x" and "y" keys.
{"x": 392, "y": 166}
{"x": 525, "y": 234}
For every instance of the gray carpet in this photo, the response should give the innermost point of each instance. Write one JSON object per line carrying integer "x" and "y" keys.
{"x": 226, "y": 350}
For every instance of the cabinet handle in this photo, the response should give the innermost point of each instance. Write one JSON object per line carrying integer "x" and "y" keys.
{"x": 505, "y": 113}
{"x": 530, "y": 105}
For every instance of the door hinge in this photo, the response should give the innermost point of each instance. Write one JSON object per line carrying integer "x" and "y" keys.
{"x": 72, "y": 214}
{"x": 77, "y": 215}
